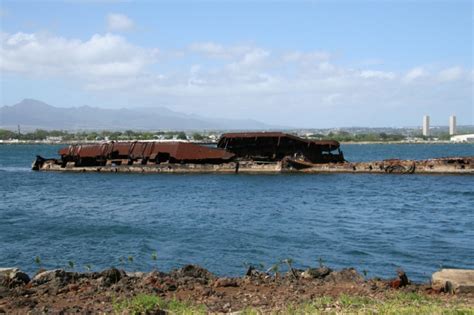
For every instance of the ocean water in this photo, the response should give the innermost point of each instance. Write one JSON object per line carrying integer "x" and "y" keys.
{"x": 375, "y": 223}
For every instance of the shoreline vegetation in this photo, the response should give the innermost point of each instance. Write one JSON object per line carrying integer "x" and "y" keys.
{"x": 47, "y": 142}
{"x": 40, "y": 136}
{"x": 192, "y": 289}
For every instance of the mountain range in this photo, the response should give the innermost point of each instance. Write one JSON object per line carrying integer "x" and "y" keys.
{"x": 32, "y": 114}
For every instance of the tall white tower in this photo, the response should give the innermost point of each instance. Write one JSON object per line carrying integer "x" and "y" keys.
{"x": 452, "y": 125}
{"x": 426, "y": 125}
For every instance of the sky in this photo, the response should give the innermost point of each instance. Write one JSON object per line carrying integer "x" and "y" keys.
{"x": 312, "y": 64}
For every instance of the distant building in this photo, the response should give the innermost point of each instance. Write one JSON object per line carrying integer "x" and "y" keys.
{"x": 452, "y": 125}
{"x": 426, "y": 126}
{"x": 54, "y": 139}
{"x": 463, "y": 138}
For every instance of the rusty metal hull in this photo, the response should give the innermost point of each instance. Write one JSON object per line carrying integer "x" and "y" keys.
{"x": 131, "y": 152}
{"x": 454, "y": 165}
{"x": 236, "y": 153}
{"x": 274, "y": 146}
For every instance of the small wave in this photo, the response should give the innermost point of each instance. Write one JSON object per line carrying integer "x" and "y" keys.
{"x": 356, "y": 252}
{"x": 14, "y": 169}
{"x": 461, "y": 193}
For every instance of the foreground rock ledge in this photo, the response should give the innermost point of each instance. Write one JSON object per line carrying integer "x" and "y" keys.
{"x": 61, "y": 291}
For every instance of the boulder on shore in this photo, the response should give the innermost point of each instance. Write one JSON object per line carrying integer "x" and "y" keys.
{"x": 345, "y": 275}
{"x": 12, "y": 277}
{"x": 453, "y": 280}
{"x": 316, "y": 273}
{"x": 112, "y": 276}
{"x": 193, "y": 271}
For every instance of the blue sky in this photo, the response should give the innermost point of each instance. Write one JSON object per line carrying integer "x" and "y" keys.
{"x": 309, "y": 64}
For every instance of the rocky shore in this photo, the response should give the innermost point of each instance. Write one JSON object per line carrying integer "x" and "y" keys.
{"x": 193, "y": 289}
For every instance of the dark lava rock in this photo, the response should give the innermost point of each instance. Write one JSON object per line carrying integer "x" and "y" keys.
{"x": 74, "y": 310}
{"x": 22, "y": 277}
{"x": 48, "y": 276}
{"x": 193, "y": 271}
{"x": 253, "y": 272}
{"x": 293, "y": 274}
{"x": 316, "y": 273}
{"x": 112, "y": 276}
{"x": 24, "y": 302}
{"x": 13, "y": 277}
{"x": 345, "y": 275}
{"x": 56, "y": 278}
{"x": 225, "y": 282}
{"x": 4, "y": 292}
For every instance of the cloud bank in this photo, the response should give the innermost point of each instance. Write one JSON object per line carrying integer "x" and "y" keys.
{"x": 289, "y": 88}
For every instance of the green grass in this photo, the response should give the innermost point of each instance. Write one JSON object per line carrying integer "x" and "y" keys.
{"x": 398, "y": 303}
{"x": 143, "y": 304}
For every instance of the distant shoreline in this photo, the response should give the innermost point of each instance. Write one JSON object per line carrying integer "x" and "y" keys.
{"x": 201, "y": 142}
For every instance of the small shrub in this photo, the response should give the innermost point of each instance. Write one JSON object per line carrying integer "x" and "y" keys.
{"x": 38, "y": 261}
{"x": 140, "y": 304}
{"x": 143, "y": 304}
{"x": 71, "y": 264}
{"x": 321, "y": 262}
{"x": 154, "y": 257}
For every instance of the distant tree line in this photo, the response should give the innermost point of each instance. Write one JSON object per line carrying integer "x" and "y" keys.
{"x": 41, "y": 134}
{"x": 345, "y": 136}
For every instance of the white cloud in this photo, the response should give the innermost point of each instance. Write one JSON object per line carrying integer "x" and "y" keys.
{"x": 119, "y": 22}
{"x": 373, "y": 74}
{"x": 331, "y": 98}
{"x": 194, "y": 76}
{"x": 253, "y": 58}
{"x": 247, "y": 81}
{"x": 415, "y": 74}
{"x": 450, "y": 74}
{"x": 46, "y": 55}
{"x": 307, "y": 57}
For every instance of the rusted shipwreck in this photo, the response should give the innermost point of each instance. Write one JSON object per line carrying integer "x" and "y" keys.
{"x": 256, "y": 152}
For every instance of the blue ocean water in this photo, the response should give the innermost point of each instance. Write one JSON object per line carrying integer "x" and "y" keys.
{"x": 222, "y": 222}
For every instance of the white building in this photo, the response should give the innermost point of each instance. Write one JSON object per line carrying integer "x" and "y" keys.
{"x": 426, "y": 125}
{"x": 463, "y": 138}
{"x": 54, "y": 139}
{"x": 452, "y": 125}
